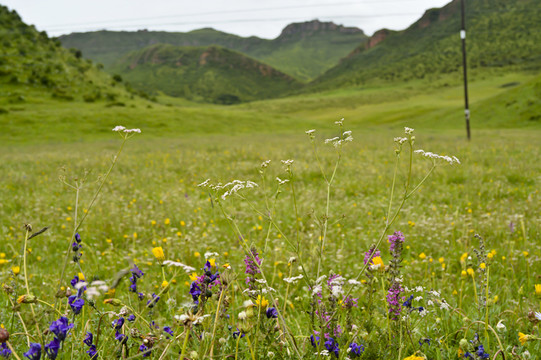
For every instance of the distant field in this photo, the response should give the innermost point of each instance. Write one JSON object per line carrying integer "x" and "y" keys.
{"x": 497, "y": 100}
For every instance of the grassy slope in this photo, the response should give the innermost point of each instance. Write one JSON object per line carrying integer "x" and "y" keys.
{"x": 203, "y": 73}
{"x": 500, "y": 33}
{"x": 30, "y": 60}
{"x": 303, "y": 57}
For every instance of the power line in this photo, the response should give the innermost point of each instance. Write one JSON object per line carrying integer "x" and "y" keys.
{"x": 231, "y": 12}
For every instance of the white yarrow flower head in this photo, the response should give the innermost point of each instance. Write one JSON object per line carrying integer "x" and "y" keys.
{"x": 408, "y": 131}
{"x": 451, "y": 160}
{"x": 311, "y": 134}
{"x": 186, "y": 268}
{"x": 126, "y": 133}
{"x": 265, "y": 164}
{"x": 281, "y": 182}
{"x": 118, "y": 128}
{"x": 340, "y": 122}
{"x": 209, "y": 255}
{"x": 294, "y": 279}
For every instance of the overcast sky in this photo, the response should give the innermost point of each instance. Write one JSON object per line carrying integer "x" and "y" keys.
{"x": 242, "y": 17}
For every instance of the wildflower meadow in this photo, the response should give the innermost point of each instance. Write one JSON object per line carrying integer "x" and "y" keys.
{"x": 330, "y": 244}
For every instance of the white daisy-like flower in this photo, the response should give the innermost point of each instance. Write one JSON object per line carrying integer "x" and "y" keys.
{"x": 119, "y": 128}
{"x": 293, "y": 279}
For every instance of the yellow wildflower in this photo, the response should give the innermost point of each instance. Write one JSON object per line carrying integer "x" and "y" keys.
{"x": 463, "y": 257}
{"x": 81, "y": 277}
{"x": 378, "y": 262}
{"x": 441, "y": 260}
{"x": 525, "y": 253}
{"x": 158, "y": 253}
{"x": 165, "y": 284}
{"x": 193, "y": 277}
{"x": 212, "y": 263}
{"x": 422, "y": 256}
{"x": 16, "y": 270}
{"x": 153, "y": 222}
{"x": 3, "y": 261}
{"x": 2, "y": 255}
{"x": 196, "y": 254}
{"x": 261, "y": 301}
{"x": 538, "y": 289}
{"x": 414, "y": 357}
{"x": 471, "y": 271}
{"x": 483, "y": 266}
{"x": 490, "y": 256}
{"x": 167, "y": 221}
{"x": 523, "y": 338}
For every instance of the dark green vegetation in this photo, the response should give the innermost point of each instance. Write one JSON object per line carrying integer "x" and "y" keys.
{"x": 211, "y": 73}
{"x": 30, "y": 60}
{"x": 303, "y": 50}
{"x": 501, "y": 33}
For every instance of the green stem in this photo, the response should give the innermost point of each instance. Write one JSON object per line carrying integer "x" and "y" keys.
{"x": 184, "y": 345}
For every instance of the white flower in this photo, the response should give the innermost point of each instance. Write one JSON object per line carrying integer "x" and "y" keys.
{"x": 222, "y": 341}
{"x": 264, "y": 164}
{"x": 186, "y": 268}
{"x": 423, "y": 313}
{"x": 419, "y": 288}
{"x": 408, "y": 131}
{"x": 204, "y": 183}
{"x": 430, "y": 303}
{"x": 248, "y": 303}
{"x": 354, "y": 282}
{"x": 293, "y": 279}
{"x": 182, "y": 318}
{"x": 317, "y": 289}
{"x": 132, "y": 131}
{"x": 444, "y": 306}
{"x": 270, "y": 355}
{"x": 288, "y": 162}
{"x": 435, "y": 157}
{"x": 118, "y": 128}
{"x": 538, "y": 315}
{"x": 209, "y": 255}
{"x": 501, "y": 326}
{"x": 418, "y": 298}
{"x": 242, "y": 315}
{"x": 261, "y": 281}
{"x": 281, "y": 182}
{"x": 340, "y": 122}
{"x": 310, "y": 132}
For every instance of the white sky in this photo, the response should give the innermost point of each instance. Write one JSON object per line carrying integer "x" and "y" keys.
{"x": 242, "y": 17}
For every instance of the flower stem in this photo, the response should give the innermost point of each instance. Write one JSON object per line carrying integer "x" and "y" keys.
{"x": 184, "y": 345}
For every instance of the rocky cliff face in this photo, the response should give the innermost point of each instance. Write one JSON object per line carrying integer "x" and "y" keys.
{"x": 309, "y": 28}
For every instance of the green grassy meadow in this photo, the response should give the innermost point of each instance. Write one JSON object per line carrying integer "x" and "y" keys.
{"x": 151, "y": 199}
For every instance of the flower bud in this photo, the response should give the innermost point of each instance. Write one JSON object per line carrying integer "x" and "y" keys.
{"x": 27, "y": 299}
{"x": 4, "y": 335}
{"x": 114, "y": 302}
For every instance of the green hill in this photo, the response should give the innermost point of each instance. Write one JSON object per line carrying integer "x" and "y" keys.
{"x": 303, "y": 50}
{"x": 30, "y": 60}
{"x": 501, "y": 33}
{"x": 211, "y": 73}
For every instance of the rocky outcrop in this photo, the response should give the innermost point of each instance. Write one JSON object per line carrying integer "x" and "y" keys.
{"x": 309, "y": 28}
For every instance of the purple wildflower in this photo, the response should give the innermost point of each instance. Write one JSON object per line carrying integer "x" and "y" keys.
{"x": 393, "y": 300}
{"x": 78, "y": 238}
{"x": 121, "y": 338}
{"x": 60, "y": 328}
{"x": 168, "y": 330}
{"x": 251, "y": 268}
{"x": 92, "y": 352}
{"x": 5, "y": 352}
{"x": 76, "y": 304}
{"x": 395, "y": 240}
{"x": 356, "y": 350}
{"x": 131, "y": 318}
{"x": 153, "y": 301}
{"x": 34, "y": 353}
{"x": 144, "y": 349}
{"x": 314, "y": 339}
{"x": 195, "y": 291}
{"x": 51, "y": 349}
{"x": 237, "y": 333}
{"x": 271, "y": 313}
{"x": 370, "y": 254}
{"x": 89, "y": 339}
{"x": 332, "y": 346}
{"x": 117, "y": 324}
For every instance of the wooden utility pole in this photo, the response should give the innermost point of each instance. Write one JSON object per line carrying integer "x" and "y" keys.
{"x": 464, "y": 67}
